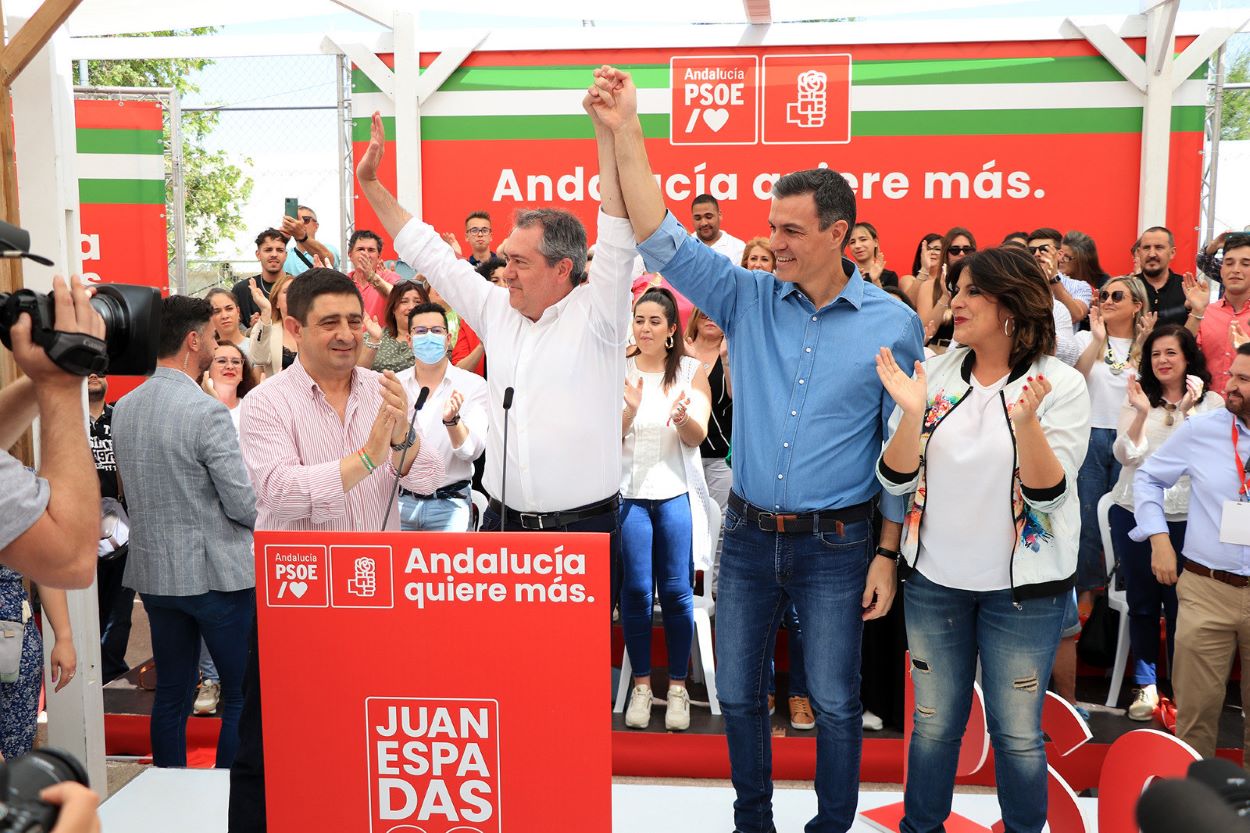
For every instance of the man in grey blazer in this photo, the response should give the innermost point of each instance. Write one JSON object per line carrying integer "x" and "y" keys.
{"x": 192, "y": 510}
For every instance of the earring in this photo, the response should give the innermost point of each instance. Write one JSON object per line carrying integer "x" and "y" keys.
{"x": 669, "y": 342}
{"x": 1009, "y": 327}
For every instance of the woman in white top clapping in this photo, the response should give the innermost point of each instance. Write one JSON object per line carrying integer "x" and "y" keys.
{"x": 1171, "y": 386}
{"x": 664, "y": 499}
{"x": 1107, "y": 360}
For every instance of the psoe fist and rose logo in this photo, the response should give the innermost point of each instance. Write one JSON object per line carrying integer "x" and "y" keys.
{"x": 729, "y": 100}
{"x": 433, "y": 765}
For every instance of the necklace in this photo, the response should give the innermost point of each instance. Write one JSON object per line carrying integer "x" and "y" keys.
{"x": 1170, "y": 419}
{"x": 1116, "y": 367}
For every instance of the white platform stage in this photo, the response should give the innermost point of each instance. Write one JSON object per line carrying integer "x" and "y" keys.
{"x": 194, "y": 801}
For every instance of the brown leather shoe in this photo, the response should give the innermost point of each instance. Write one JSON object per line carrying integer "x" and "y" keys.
{"x": 801, "y": 716}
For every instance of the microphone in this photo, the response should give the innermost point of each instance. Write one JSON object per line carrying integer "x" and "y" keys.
{"x": 503, "y": 489}
{"x": 1183, "y": 806}
{"x": 1226, "y": 778}
{"x": 421, "y": 397}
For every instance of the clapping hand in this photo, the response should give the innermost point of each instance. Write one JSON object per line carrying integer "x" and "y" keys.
{"x": 1193, "y": 393}
{"x": 260, "y": 299}
{"x": 395, "y": 399}
{"x": 452, "y": 407}
{"x": 1137, "y": 398}
{"x": 372, "y": 327}
{"x": 1031, "y": 396}
{"x": 1197, "y": 292}
{"x": 911, "y": 393}
{"x": 677, "y": 412}
{"x": 1097, "y": 327}
{"x": 450, "y": 240}
{"x": 1236, "y": 335}
{"x": 633, "y": 396}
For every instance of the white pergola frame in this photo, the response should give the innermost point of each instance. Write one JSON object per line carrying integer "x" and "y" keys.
{"x": 43, "y": 113}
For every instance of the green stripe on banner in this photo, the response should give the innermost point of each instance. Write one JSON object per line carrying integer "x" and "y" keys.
{"x": 1015, "y": 122}
{"x": 864, "y": 73}
{"x": 121, "y": 191}
{"x": 96, "y": 140}
{"x": 445, "y": 128}
{"x": 864, "y": 124}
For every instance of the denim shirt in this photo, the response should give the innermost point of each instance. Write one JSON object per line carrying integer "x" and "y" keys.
{"x": 809, "y": 412}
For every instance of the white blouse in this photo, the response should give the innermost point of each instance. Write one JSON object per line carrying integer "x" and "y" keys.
{"x": 651, "y": 461}
{"x": 1131, "y": 456}
{"x": 968, "y": 532}
{"x": 1107, "y": 389}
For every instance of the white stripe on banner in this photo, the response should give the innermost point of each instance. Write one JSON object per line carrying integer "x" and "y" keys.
{"x": 121, "y": 166}
{"x": 1094, "y": 95}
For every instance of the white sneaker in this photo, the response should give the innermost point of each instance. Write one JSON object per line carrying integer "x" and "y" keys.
{"x": 638, "y": 712}
{"x": 208, "y": 697}
{"x": 1143, "y": 706}
{"x": 677, "y": 716}
{"x": 872, "y": 723}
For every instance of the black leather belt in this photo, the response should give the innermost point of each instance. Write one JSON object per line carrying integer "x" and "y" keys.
{"x": 451, "y": 490}
{"x": 555, "y": 520}
{"x": 828, "y": 520}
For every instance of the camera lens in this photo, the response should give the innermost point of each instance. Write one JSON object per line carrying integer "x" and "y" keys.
{"x": 116, "y": 323}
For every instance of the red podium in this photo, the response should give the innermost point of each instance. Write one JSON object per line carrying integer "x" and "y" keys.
{"x": 435, "y": 682}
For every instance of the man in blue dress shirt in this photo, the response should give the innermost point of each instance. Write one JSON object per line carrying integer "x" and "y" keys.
{"x": 1213, "y": 589}
{"x": 809, "y": 418}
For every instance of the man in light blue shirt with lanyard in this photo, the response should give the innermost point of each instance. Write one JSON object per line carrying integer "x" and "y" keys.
{"x": 809, "y": 417}
{"x": 1213, "y": 589}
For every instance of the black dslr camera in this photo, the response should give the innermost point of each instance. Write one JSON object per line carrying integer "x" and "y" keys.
{"x": 132, "y": 321}
{"x": 21, "y": 781}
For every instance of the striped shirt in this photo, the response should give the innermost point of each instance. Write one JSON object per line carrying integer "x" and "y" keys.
{"x": 293, "y": 441}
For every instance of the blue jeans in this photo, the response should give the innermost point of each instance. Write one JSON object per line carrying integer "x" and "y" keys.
{"x": 225, "y": 621}
{"x": 1145, "y": 595}
{"x": 798, "y": 672}
{"x": 947, "y": 630}
{"x": 824, "y": 575}
{"x": 435, "y": 514}
{"x": 656, "y": 537}
{"x": 208, "y": 671}
{"x": 1098, "y": 475}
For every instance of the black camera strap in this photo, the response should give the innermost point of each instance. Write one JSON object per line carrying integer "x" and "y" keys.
{"x": 77, "y": 353}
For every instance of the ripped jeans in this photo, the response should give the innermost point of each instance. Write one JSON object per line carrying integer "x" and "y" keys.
{"x": 947, "y": 630}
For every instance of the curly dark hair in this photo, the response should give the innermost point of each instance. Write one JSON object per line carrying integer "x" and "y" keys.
{"x": 1195, "y": 361}
{"x": 1016, "y": 282}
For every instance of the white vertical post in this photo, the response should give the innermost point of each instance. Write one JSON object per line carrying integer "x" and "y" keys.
{"x": 179, "y": 284}
{"x": 1156, "y": 133}
{"x": 45, "y": 140}
{"x": 407, "y": 114}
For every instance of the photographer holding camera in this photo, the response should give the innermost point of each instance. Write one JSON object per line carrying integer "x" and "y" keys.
{"x": 44, "y": 532}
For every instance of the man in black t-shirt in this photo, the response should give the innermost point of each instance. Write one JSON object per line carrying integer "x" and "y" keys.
{"x": 116, "y": 602}
{"x": 271, "y": 253}
{"x": 1155, "y": 249}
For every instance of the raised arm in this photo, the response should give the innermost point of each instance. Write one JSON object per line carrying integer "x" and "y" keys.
{"x": 390, "y": 213}
{"x": 615, "y": 99}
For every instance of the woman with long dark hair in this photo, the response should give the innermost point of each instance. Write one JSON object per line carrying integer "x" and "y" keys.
{"x": 934, "y": 306}
{"x": 997, "y": 422}
{"x": 388, "y": 344}
{"x": 664, "y": 521}
{"x": 1172, "y": 384}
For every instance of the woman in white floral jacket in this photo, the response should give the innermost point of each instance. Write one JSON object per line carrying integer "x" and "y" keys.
{"x": 988, "y": 439}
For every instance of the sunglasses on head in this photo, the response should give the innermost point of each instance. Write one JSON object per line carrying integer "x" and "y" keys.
{"x": 961, "y": 250}
{"x": 1116, "y": 295}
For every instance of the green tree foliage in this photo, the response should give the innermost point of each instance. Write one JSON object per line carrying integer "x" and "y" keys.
{"x": 216, "y": 189}
{"x": 1235, "y": 119}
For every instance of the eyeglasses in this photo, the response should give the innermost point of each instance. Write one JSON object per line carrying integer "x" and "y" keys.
{"x": 438, "y": 331}
{"x": 961, "y": 250}
{"x": 1115, "y": 296}
{"x": 478, "y": 230}
{"x": 1045, "y": 247}
{"x": 308, "y": 219}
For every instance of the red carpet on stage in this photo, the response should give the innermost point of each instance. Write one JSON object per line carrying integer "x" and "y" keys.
{"x": 128, "y": 734}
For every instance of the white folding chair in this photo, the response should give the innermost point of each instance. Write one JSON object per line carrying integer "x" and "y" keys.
{"x": 480, "y": 502}
{"x": 1117, "y": 600}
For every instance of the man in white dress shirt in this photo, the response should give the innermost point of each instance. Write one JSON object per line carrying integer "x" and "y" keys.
{"x": 559, "y": 340}
{"x": 705, "y": 216}
{"x": 453, "y": 423}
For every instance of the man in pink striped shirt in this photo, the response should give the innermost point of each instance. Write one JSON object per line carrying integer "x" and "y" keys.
{"x": 322, "y": 443}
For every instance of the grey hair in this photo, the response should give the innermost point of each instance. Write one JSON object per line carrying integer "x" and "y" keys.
{"x": 564, "y": 236}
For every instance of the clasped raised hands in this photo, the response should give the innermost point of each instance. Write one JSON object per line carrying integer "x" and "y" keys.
{"x": 612, "y": 100}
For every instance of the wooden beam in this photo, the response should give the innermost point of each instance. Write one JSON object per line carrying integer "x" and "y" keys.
{"x": 10, "y": 268}
{"x": 32, "y": 37}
